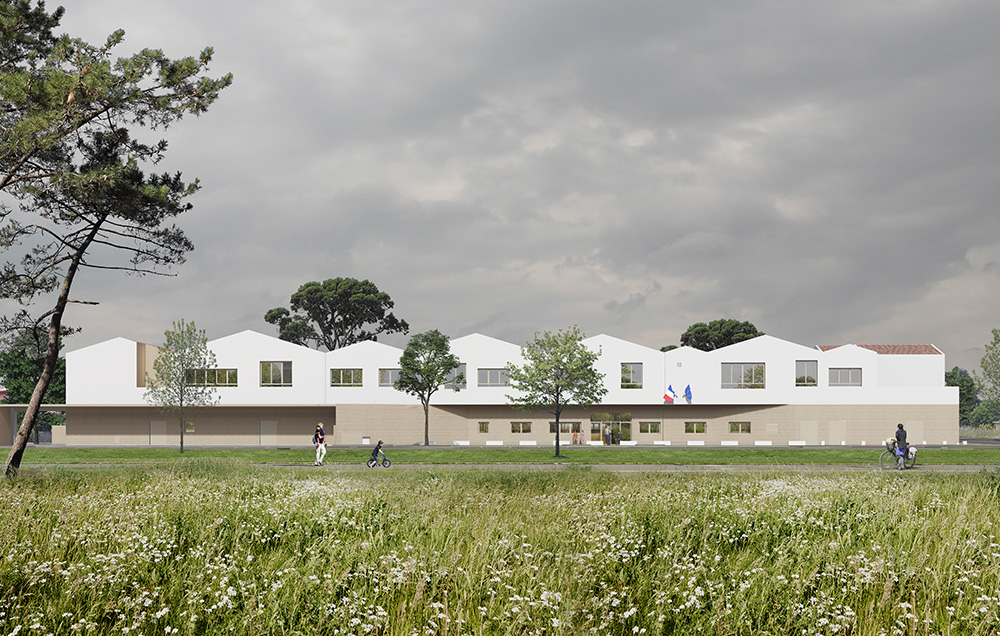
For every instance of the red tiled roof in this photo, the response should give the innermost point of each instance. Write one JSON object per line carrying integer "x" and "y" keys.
{"x": 894, "y": 349}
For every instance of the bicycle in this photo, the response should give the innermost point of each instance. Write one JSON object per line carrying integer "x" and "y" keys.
{"x": 373, "y": 461}
{"x": 893, "y": 457}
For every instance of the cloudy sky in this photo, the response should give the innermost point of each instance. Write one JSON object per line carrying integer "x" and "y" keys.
{"x": 829, "y": 171}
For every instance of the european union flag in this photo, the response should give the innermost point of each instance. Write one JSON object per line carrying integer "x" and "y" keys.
{"x": 687, "y": 392}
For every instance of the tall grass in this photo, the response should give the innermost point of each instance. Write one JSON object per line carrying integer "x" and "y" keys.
{"x": 209, "y": 548}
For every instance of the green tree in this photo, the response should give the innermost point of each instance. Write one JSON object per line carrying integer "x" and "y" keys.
{"x": 22, "y": 358}
{"x": 986, "y": 414}
{"x": 967, "y": 392}
{"x": 73, "y": 169}
{"x": 336, "y": 313}
{"x": 180, "y": 373}
{"x": 558, "y": 372}
{"x": 989, "y": 382}
{"x": 718, "y": 333}
{"x": 427, "y": 364}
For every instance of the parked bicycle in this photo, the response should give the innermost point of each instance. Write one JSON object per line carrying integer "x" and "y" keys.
{"x": 381, "y": 459}
{"x": 895, "y": 457}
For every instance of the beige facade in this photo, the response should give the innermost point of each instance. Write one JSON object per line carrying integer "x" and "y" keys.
{"x": 687, "y": 425}
{"x": 214, "y": 426}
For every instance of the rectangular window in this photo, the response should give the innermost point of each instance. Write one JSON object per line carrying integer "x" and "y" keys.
{"x": 694, "y": 427}
{"x": 743, "y": 375}
{"x": 276, "y": 374}
{"x": 631, "y": 375}
{"x": 484, "y": 427}
{"x": 649, "y": 427}
{"x": 520, "y": 427}
{"x": 456, "y": 378}
{"x": 565, "y": 427}
{"x": 739, "y": 427}
{"x": 845, "y": 377}
{"x": 345, "y": 377}
{"x": 388, "y": 377}
{"x": 805, "y": 373}
{"x": 211, "y": 377}
{"x": 493, "y": 377}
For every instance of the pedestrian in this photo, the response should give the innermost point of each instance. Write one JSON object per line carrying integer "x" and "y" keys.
{"x": 319, "y": 440}
{"x": 607, "y": 436}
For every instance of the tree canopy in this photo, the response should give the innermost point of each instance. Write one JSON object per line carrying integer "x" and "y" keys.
{"x": 23, "y": 344}
{"x": 427, "y": 364}
{"x": 986, "y": 414}
{"x": 558, "y": 372}
{"x": 967, "y": 392}
{"x": 75, "y": 172}
{"x": 718, "y": 333}
{"x": 989, "y": 381}
{"x": 183, "y": 373}
{"x": 336, "y": 313}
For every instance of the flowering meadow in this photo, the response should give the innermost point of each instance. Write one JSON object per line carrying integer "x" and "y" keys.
{"x": 211, "y": 548}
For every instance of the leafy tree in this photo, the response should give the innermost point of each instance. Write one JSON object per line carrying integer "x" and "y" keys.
{"x": 558, "y": 372}
{"x": 967, "y": 392}
{"x": 179, "y": 379}
{"x": 666, "y": 348}
{"x": 336, "y": 313}
{"x": 23, "y": 343}
{"x": 426, "y": 365}
{"x": 69, "y": 160}
{"x": 22, "y": 358}
{"x": 718, "y": 333}
{"x": 989, "y": 382}
{"x": 986, "y": 414}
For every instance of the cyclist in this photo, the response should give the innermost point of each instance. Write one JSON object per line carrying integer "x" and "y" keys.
{"x": 901, "y": 445}
{"x": 376, "y": 451}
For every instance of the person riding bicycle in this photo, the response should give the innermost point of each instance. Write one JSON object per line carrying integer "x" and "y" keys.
{"x": 901, "y": 438}
{"x": 376, "y": 451}
{"x": 902, "y": 448}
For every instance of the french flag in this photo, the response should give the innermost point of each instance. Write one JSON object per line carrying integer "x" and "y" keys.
{"x": 669, "y": 396}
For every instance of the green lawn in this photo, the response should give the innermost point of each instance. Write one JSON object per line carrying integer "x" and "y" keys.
{"x": 36, "y": 456}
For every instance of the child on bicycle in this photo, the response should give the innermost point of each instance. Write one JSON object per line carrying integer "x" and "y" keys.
{"x": 376, "y": 451}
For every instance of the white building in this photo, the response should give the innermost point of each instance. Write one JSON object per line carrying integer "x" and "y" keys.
{"x": 763, "y": 391}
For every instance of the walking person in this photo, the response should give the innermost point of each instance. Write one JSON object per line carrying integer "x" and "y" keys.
{"x": 319, "y": 440}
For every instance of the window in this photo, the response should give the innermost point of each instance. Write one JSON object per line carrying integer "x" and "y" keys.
{"x": 631, "y": 375}
{"x": 649, "y": 427}
{"x": 211, "y": 377}
{"x": 276, "y": 374}
{"x": 694, "y": 427}
{"x": 565, "y": 427}
{"x": 520, "y": 427}
{"x": 845, "y": 377}
{"x": 743, "y": 375}
{"x": 805, "y": 373}
{"x": 739, "y": 427}
{"x": 493, "y": 377}
{"x": 345, "y": 377}
{"x": 189, "y": 427}
{"x": 484, "y": 427}
{"x": 388, "y": 377}
{"x": 456, "y": 378}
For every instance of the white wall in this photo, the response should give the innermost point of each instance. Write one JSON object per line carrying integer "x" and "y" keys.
{"x": 106, "y": 373}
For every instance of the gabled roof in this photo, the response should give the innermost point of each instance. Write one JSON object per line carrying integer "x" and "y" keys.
{"x": 894, "y": 349}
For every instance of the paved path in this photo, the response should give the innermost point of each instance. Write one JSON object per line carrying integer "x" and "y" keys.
{"x": 658, "y": 468}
